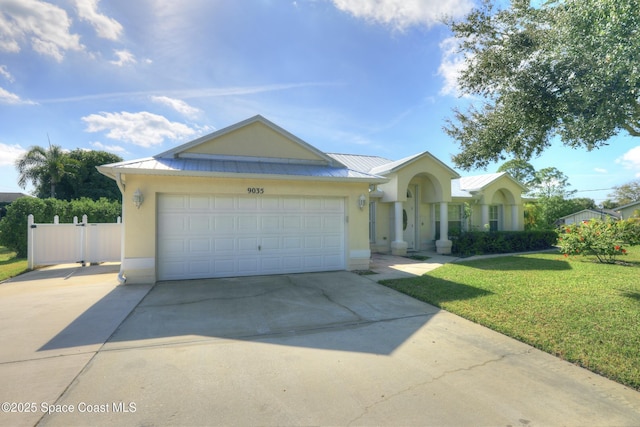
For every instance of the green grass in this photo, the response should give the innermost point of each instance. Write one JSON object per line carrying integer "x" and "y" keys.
{"x": 579, "y": 310}
{"x": 10, "y": 266}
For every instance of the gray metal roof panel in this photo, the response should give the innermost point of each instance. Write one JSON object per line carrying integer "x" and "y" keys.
{"x": 181, "y": 165}
{"x": 358, "y": 162}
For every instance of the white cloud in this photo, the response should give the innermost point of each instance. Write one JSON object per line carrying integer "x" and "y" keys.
{"x": 631, "y": 160}
{"x": 107, "y": 28}
{"x": 10, "y": 153}
{"x": 6, "y": 74}
{"x": 7, "y": 97}
{"x": 402, "y": 14}
{"x": 601, "y": 170}
{"x": 178, "y": 105}
{"x": 124, "y": 57}
{"x": 143, "y": 128}
{"x": 451, "y": 65}
{"x": 44, "y": 24}
{"x": 110, "y": 148}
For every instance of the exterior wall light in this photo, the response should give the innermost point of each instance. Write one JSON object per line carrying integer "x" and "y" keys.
{"x": 362, "y": 201}
{"x": 138, "y": 198}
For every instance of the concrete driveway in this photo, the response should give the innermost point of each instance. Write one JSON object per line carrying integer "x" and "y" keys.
{"x": 321, "y": 349}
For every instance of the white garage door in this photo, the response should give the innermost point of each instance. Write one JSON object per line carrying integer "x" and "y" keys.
{"x": 202, "y": 236}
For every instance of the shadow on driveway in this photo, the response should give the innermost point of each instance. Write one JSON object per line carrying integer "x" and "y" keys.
{"x": 252, "y": 308}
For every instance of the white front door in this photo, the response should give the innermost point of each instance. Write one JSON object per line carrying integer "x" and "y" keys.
{"x": 203, "y": 236}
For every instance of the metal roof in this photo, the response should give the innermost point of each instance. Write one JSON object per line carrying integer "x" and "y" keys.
{"x": 204, "y": 167}
{"x": 465, "y": 186}
{"x": 358, "y": 162}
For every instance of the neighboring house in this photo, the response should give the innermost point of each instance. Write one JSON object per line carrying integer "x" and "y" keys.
{"x": 631, "y": 210}
{"x": 253, "y": 199}
{"x": 586, "y": 215}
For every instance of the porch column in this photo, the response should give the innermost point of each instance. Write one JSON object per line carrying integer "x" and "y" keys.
{"x": 485, "y": 217}
{"x": 398, "y": 246}
{"x": 443, "y": 246}
{"x": 515, "y": 219}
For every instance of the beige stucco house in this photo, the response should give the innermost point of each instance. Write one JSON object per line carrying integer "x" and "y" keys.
{"x": 253, "y": 199}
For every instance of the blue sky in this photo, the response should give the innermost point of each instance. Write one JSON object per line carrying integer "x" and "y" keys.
{"x": 348, "y": 76}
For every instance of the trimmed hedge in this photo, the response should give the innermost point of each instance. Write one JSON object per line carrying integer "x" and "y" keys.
{"x": 13, "y": 227}
{"x": 499, "y": 242}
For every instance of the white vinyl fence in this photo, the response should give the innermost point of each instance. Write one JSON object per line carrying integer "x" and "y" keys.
{"x": 83, "y": 243}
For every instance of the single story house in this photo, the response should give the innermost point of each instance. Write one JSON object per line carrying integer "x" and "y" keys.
{"x": 588, "y": 214}
{"x": 631, "y": 210}
{"x": 253, "y": 199}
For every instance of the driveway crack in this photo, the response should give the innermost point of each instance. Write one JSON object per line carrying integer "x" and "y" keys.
{"x": 444, "y": 374}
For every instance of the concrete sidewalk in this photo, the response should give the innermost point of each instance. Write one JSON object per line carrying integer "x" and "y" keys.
{"x": 387, "y": 266}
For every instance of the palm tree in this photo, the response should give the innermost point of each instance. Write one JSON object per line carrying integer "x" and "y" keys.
{"x": 42, "y": 167}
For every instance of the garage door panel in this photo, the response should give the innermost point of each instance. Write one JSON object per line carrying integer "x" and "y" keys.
{"x": 202, "y": 236}
{"x": 248, "y": 204}
{"x": 333, "y": 242}
{"x": 247, "y": 223}
{"x": 313, "y": 242}
{"x": 224, "y": 203}
{"x": 223, "y": 223}
{"x": 222, "y": 245}
{"x": 199, "y": 245}
{"x": 171, "y": 201}
{"x": 294, "y": 242}
{"x": 199, "y": 203}
{"x": 248, "y": 244}
{"x": 313, "y": 223}
{"x": 270, "y": 224}
{"x": 270, "y": 204}
{"x": 270, "y": 243}
{"x": 172, "y": 224}
{"x": 199, "y": 224}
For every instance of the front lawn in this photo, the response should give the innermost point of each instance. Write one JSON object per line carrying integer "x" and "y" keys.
{"x": 10, "y": 266}
{"x": 582, "y": 311}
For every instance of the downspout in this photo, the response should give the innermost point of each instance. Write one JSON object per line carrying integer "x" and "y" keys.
{"x": 122, "y": 279}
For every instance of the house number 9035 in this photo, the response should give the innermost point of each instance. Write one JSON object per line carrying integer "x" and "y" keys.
{"x": 255, "y": 190}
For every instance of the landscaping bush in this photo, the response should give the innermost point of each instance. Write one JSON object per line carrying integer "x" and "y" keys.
{"x": 603, "y": 239}
{"x": 13, "y": 227}
{"x": 497, "y": 242}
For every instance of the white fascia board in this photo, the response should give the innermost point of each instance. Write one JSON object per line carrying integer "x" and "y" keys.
{"x": 125, "y": 171}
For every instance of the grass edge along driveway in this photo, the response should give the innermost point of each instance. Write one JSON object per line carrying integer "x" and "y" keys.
{"x": 579, "y": 310}
{"x": 10, "y": 266}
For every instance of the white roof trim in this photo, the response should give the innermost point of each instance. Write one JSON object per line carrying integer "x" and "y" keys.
{"x": 399, "y": 164}
{"x": 108, "y": 171}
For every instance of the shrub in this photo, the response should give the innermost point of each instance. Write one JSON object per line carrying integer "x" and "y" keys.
{"x": 495, "y": 242}
{"x": 13, "y": 227}
{"x": 603, "y": 239}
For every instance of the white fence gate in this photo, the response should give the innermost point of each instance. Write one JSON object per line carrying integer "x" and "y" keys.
{"x": 83, "y": 243}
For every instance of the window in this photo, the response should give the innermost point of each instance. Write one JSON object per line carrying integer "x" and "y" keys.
{"x": 494, "y": 217}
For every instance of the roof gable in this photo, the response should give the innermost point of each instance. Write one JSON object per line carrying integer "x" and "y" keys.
{"x": 399, "y": 164}
{"x": 254, "y": 139}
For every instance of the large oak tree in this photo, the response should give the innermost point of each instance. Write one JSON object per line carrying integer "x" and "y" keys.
{"x": 566, "y": 68}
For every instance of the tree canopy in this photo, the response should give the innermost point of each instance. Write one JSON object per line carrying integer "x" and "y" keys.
{"x": 67, "y": 175}
{"x": 567, "y": 69}
{"x": 45, "y": 168}
{"x": 626, "y": 193}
